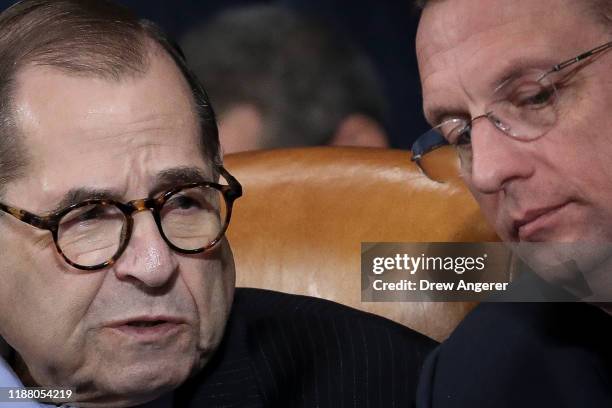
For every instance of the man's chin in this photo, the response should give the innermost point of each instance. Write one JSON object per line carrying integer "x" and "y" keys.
{"x": 580, "y": 268}
{"x": 134, "y": 384}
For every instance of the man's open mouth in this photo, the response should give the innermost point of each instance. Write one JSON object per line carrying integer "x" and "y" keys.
{"x": 148, "y": 328}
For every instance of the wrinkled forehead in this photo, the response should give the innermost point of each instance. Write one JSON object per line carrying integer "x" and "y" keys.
{"x": 87, "y": 132}
{"x": 469, "y": 45}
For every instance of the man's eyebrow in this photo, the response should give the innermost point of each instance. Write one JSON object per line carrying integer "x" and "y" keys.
{"x": 511, "y": 70}
{"x": 175, "y": 176}
{"x": 80, "y": 194}
{"x": 439, "y": 114}
{"x": 516, "y": 68}
{"x": 164, "y": 180}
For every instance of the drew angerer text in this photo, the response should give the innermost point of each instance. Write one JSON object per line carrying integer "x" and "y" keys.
{"x": 445, "y": 268}
{"x": 425, "y": 285}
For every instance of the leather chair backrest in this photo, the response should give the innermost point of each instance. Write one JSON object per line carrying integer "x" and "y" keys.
{"x": 305, "y": 211}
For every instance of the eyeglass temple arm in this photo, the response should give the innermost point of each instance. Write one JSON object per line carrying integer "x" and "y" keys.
{"x": 29, "y": 218}
{"x": 235, "y": 186}
{"x": 581, "y": 57}
{"x": 426, "y": 143}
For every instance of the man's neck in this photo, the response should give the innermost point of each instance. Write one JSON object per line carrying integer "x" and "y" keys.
{"x": 22, "y": 371}
{"x": 19, "y": 367}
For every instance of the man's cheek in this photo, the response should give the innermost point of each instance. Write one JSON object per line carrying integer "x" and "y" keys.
{"x": 489, "y": 207}
{"x": 28, "y": 335}
{"x": 16, "y": 300}
{"x": 208, "y": 282}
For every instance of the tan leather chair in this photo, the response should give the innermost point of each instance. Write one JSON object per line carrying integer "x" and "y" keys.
{"x": 299, "y": 226}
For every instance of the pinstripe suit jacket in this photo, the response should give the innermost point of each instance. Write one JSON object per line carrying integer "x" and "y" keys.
{"x": 284, "y": 350}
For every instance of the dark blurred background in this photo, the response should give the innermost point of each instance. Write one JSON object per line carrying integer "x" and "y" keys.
{"x": 385, "y": 30}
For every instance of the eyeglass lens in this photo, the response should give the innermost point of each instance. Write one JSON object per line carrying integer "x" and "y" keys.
{"x": 523, "y": 108}
{"x": 190, "y": 220}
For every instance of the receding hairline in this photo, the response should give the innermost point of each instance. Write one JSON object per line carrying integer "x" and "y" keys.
{"x": 86, "y": 38}
{"x": 151, "y": 51}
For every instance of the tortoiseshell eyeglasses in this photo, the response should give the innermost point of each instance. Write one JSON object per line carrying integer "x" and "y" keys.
{"x": 93, "y": 234}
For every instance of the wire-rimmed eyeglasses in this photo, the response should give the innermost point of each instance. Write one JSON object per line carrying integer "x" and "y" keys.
{"x": 524, "y": 108}
{"x": 93, "y": 234}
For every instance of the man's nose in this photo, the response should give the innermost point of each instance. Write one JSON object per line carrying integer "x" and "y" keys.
{"x": 147, "y": 257}
{"x": 497, "y": 159}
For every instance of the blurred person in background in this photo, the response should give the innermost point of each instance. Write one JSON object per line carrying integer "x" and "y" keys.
{"x": 279, "y": 79}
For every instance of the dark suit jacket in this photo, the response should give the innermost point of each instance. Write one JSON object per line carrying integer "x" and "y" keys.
{"x": 523, "y": 355}
{"x": 284, "y": 350}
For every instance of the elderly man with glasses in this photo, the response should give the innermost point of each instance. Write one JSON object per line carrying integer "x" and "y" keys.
{"x": 116, "y": 281}
{"x": 521, "y": 92}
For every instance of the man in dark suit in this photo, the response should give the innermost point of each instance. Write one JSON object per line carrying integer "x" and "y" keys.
{"x": 522, "y": 91}
{"x": 117, "y": 280}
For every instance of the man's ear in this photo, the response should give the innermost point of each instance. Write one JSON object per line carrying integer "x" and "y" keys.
{"x": 241, "y": 129}
{"x": 359, "y": 130}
